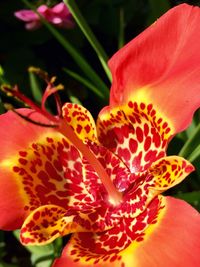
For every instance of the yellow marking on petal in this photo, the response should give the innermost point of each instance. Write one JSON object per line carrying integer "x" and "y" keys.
{"x": 80, "y": 119}
{"x": 47, "y": 223}
{"x": 168, "y": 172}
{"x": 143, "y": 95}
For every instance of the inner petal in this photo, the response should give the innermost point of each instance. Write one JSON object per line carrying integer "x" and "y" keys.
{"x": 135, "y": 132}
{"x": 80, "y": 120}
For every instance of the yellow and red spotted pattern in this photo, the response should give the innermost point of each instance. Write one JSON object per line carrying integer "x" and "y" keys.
{"x": 136, "y": 133}
{"x": 106, "y": 248}
{"x": 63, "y": 194}
{"x": 80, "y": 120}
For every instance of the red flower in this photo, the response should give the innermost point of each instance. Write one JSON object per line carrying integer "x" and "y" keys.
{"x": 103, "y": 182}
{"x": 58, "y": 15}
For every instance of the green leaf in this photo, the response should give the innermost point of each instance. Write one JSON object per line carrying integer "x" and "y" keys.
{"x": 195, "y": 154}
{"x": 121, "y": 38}
{"x": 73, "y": 8}
{"x": 74, "y": 99}
{"x": 3, "y": 264}
{"x": 35, "y": 87}
{"x": 2, "y": 76}
{"x": 41, "y": 256}
{"x": 85, "y": 82}
{"x": 192, "y": 197}
{"x": 157, "y": 8}
{"x": 2, "y": 109}
{"x": 191, "y": 145}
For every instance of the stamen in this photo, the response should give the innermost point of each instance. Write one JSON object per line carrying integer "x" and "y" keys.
{"x": 52, "y": 90}
{"x": 16, "y": 93}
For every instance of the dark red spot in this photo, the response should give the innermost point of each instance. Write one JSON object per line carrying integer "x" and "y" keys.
{"x": 45, "y": 223}
{"x": 147, "y": 143}
{"x": 189, "y": 169}
{"x": 139, "y": 134}
{"x": 74, "y": 154}
{"x": 156, "y": 139}
{"x": 23, "y": 161}
{"x": 174, "y": 166}
{"x": 133, "y": 145}
{"x": 146, "y": 129}
{"x": 23, "y": 153}
{"x": 16, "y": 169}
{"x": 69, "y": 105}
{"x": 165, "y": 125}
{"x": 49, "y": 140}
{"x": 36, "y": 215}
{"x": 87, "y": 128}
{"x": 149, "y": 108}
{"x": 167, "y": 130}
{"x": 142, "y": 106}
{"x": 52, "y": 171}
{"x": 130, "y": 104}
{"x": 54, "y": 232}
{"x": 124, "y": 154}
{"x": 79, "y": 128}
{"x": 150, "y": 156}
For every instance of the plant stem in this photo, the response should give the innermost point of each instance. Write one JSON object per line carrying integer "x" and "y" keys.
{"x": 191, "y": 144}
{"x": 121, "y": 28}
{"x": 73, "y": 8}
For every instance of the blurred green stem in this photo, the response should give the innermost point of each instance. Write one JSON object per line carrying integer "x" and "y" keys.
{"x": 195, "y": 154}
{"x": 73, "y": 8}
{"x": 191, "y": 144}
{"x": 78, "y": 58}
{"x": 121, "y": 40}
{"x": 35, "y": 87}
{"x": 85, "y": 82}
{"x": 157, "y": 8}
{"x": 44, "y": 258}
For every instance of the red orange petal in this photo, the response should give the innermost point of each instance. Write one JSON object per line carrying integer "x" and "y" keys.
{"x": 161, "y": 67}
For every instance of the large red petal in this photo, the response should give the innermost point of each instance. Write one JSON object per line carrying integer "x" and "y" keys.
{"x": 161, "y": 67}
